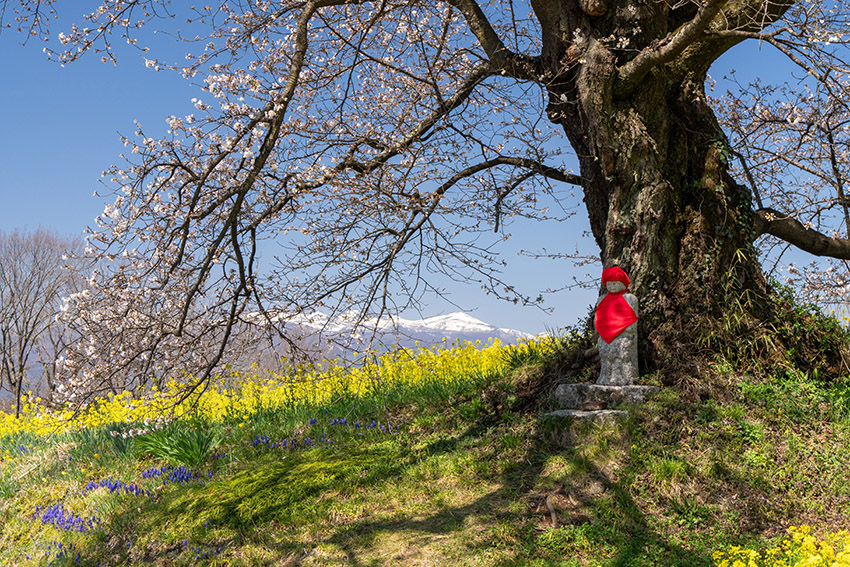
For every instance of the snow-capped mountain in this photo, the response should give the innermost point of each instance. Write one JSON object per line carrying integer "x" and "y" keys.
{"x": 407, "y": 332}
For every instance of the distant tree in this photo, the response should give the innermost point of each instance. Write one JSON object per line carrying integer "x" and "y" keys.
{"x": 59, "y": 337}
{"x": 378, "y": 141}
{"x": 34, "y": 276}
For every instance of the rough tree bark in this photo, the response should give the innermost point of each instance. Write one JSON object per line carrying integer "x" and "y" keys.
{"x": 654, "y": 169}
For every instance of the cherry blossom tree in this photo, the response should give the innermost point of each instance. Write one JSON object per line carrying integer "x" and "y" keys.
{"x": 378, "y": 141}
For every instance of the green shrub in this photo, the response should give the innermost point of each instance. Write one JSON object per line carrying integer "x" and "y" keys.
{"x": 839, "y": 396}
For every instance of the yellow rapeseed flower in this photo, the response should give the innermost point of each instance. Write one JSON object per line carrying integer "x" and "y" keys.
{"x": 799, "y": 549}
{"x": 243, "y": 393}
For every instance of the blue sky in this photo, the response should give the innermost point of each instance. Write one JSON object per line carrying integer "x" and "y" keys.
{"x": 60, "y": 130}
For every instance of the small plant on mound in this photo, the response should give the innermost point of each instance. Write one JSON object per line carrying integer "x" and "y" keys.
{"x": 8, "y": 485}
{"x": 799, "y": 549}
{"x": 538, "y": 365}
{"x": 533, "y": 351}
{"x": 188, "y": 444}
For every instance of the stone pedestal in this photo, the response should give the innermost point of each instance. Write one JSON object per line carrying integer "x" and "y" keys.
{"x": 574, "y": 396}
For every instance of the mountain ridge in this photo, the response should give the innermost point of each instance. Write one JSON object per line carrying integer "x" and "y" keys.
{"x": 399, "y": 331}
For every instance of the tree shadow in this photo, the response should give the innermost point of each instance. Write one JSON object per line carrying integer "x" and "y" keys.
{"x": 636, "y": 544}
{"x": 256, "y": 505}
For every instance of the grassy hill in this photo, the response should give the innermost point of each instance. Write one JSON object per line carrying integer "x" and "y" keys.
{"x": 432, "y": 458}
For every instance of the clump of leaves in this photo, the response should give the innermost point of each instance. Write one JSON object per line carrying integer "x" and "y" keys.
{"x": 815, "y": 342}
{"x": 566, "y": 355}
{"x": 88, "y": 442}
{"x": 558, "y": 352}
{"x": 8, "y": 485}
{"x": 188, "y": 444}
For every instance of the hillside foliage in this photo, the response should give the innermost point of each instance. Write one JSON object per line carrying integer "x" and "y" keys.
{"x": 443, "y": 459}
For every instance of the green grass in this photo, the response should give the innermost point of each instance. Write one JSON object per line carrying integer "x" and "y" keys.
{"x": 470, "y": 477}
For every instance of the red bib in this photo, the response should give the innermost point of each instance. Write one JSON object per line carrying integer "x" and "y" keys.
{"x": 613, "y": 315}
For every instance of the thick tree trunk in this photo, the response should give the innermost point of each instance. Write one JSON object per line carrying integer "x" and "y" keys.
{"x": 661, "y": 202}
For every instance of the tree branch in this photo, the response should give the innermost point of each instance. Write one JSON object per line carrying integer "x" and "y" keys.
{"x": 537, "y": 167}
{"x": 750, "y": 178}
{"x": 736, "y": 22}
{"x": 512, "y": 64}
{"x": 784, "y": 227}
{"x": 476, "y": 76}
{"x": 773, "y": 39}
{"x": 423, "y": 213}
{"x": 630, "y": 74}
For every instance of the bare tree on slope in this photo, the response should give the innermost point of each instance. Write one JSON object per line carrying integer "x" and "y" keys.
{"x": 34, "y": 276}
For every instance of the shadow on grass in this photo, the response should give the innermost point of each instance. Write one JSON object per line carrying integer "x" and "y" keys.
{"x": 633, "y": 540}
{"x": 269, "y": 506}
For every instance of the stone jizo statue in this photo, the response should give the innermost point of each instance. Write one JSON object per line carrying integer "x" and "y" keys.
{"x": 616, "y": 320}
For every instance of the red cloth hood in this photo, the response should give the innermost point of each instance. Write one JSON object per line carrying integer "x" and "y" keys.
{"x": 615, "y": 274}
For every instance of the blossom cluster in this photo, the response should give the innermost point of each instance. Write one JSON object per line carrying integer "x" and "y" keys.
{"x": 161, "y": 423}
{"x": 174, "y": 475}
{"x": 62, "y": 553}
{"x": 116, "y": 486}
{"x": 294, "y": 444}
{"x": 291, "y": 444}
{"x": 199, "y": 553}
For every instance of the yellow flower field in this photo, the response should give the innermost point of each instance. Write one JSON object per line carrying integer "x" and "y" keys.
{"x": 799, "y": 549}
{"x": 242, "y": 393}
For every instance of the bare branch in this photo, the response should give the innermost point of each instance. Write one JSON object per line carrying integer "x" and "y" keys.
{"x": 771, "y": 221}
{"x": 751, "y": 179}
{"x": 551, "y": 172}
{"x": 511, "y": 64}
